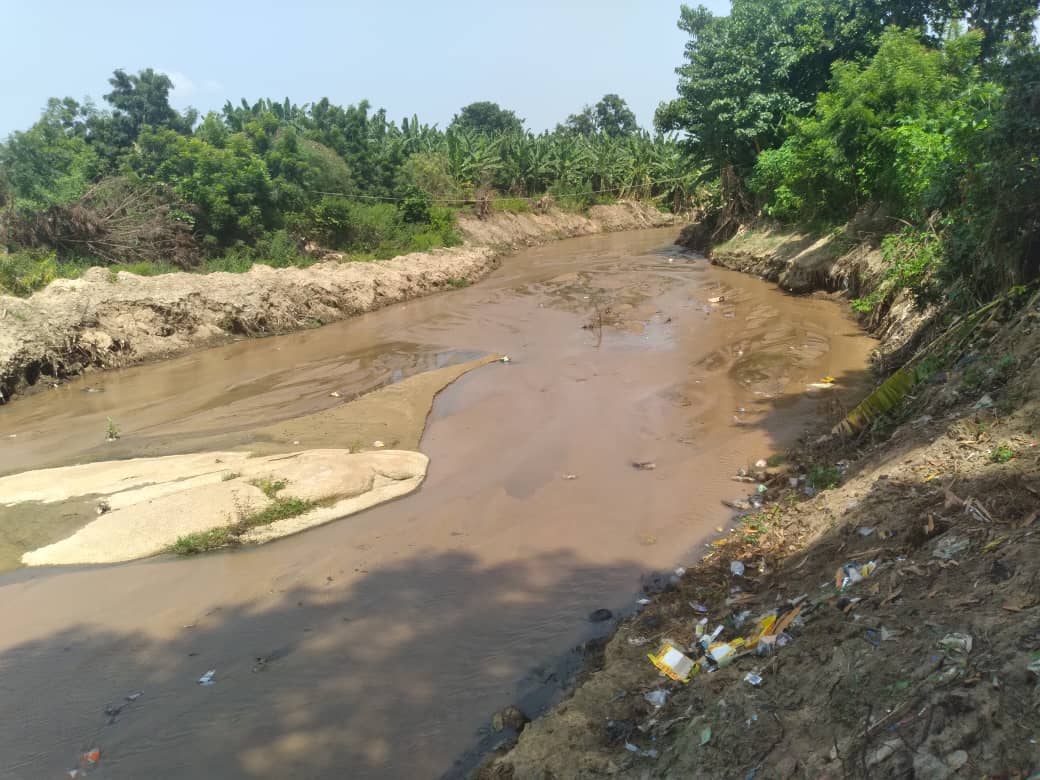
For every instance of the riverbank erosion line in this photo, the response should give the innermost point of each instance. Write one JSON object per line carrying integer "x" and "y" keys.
{"x": 105, "y": 320}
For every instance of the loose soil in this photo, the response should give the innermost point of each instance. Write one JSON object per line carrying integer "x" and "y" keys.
{"x": 926, "y": 667}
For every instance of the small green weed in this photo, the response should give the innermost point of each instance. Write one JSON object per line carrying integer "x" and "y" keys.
{"x": 280, "y": 509}
{"x": 270, "y": 487}
{"x": 776, "y": 459}
{"x": 111, "y": 430}
{"x": 191, "y": 544}
{"x": 230, "y": 475}
{"x": 755, "y": 525}
{"x": 824, "y": 477}
{"x": 458, "y": 283}
{"x": 1002, "y": 453}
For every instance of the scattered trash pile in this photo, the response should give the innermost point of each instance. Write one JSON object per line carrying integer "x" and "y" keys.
{"x": 873, "y": 612}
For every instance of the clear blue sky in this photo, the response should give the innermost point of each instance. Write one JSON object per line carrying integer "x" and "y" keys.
{"x": 543, "y": 59}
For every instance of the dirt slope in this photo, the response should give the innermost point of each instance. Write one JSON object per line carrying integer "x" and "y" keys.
{"x": 926, "y": 667}
{"x": 105, "y": 321}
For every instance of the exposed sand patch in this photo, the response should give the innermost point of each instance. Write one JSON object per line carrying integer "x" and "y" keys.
{"x": 395, "y": 415}
{"x": 150, "y": 502}
{"x": 146, "y": 520}
{"x": 108, "y": 477}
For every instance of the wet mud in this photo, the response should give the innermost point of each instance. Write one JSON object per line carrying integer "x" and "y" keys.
{"x": 378, "y": 646}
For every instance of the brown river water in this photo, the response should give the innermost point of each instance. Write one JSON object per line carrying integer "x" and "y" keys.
{"x": 389, "y": 638}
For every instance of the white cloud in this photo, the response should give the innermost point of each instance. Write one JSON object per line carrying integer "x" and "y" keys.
{"x": 184, "y": 87}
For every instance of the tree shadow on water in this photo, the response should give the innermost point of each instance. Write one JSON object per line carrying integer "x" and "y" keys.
{"x": 390, "y": 675}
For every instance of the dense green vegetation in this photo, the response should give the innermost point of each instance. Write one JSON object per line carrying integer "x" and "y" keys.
{"x": 924, "y": 117}
{"x": 142, "y": 187}
{"x": 922, "y": 120}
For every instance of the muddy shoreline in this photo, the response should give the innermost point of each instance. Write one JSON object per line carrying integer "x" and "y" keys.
{"x": 896, "y": 629}
{"x": 468, "y": 588}
{"x": 103, "y": 321}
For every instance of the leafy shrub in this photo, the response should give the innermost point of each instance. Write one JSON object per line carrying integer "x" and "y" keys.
{"x": 415, "y": 206}
{"x": 515, "y": 205}
{"x": 278, "y": 250}
{"x": 913, "y": 257}
{"x": 23, "y": 273}
{"x": 824, "y": 477}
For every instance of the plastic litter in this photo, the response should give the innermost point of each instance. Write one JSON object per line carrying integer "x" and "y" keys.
{"x": 378, "y": 444}
{"x": 87, "y": 763}
{"x": 673, "y": 663}
{"x": 760, "y": 464}
{"x": 637, "y": 641}
{"x": 113, "y": 710}
{"x": 949, "y": 546}
{"x": 766, "y": 645}
{"x": 767, "y": 626}
{"x": 644, "y": 465}
{"x": 957, "y": 759}
{"x": 717, "y": 299}
{"x": 699, "y": 608}
{"x": 706, "y": 735}
{"x": 505, "y": 359}
{"x": 722, "y": 653}
{"x": 651, "y": 753}
{"x": 334, "y": 394}
{"x": 864, "y": 531}
{"x": 957, "y": 643}
{"x": 762, "y": 488}
{"x": 643, "y": 601}
{"x": 752, "y": 679}
{"x": 741, "y": 618}
{"x": 736, "y": 568}
{"x": 658, "y": 698}
{"x": 207, "y": 678}
{"x": 985, "y": 402}
{"x": 851, "y": 573}
{"x": 1034, "y": 669}
{"x": 570, "y": 476}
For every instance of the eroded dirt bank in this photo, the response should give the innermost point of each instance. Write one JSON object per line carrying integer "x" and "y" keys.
{"x": 106, "y": 321}
{"x": 900, "y": 570}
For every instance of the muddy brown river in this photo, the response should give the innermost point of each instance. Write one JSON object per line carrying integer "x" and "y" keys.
{"x": 386, "y": 640}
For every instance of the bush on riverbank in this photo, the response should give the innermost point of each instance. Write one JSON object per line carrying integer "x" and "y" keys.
{"x": 141, "y": 186}
{"x": 927, "y": 116}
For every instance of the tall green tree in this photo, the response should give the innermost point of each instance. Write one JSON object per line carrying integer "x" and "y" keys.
{"x": 487, "y": 117}
{"x": 611, "y": 116}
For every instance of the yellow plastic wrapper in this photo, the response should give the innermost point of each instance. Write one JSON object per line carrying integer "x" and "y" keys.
{"x": 674, "y": 663}
{"x": 763, "y": 627}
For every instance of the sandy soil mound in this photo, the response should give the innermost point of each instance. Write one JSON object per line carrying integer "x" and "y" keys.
{"x": 104, "y": 320}
{"x": 146, "y": 504}
{"x": 511, "y": 230}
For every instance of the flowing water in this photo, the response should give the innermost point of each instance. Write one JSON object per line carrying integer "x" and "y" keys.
{"x": 386, "y": 640}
